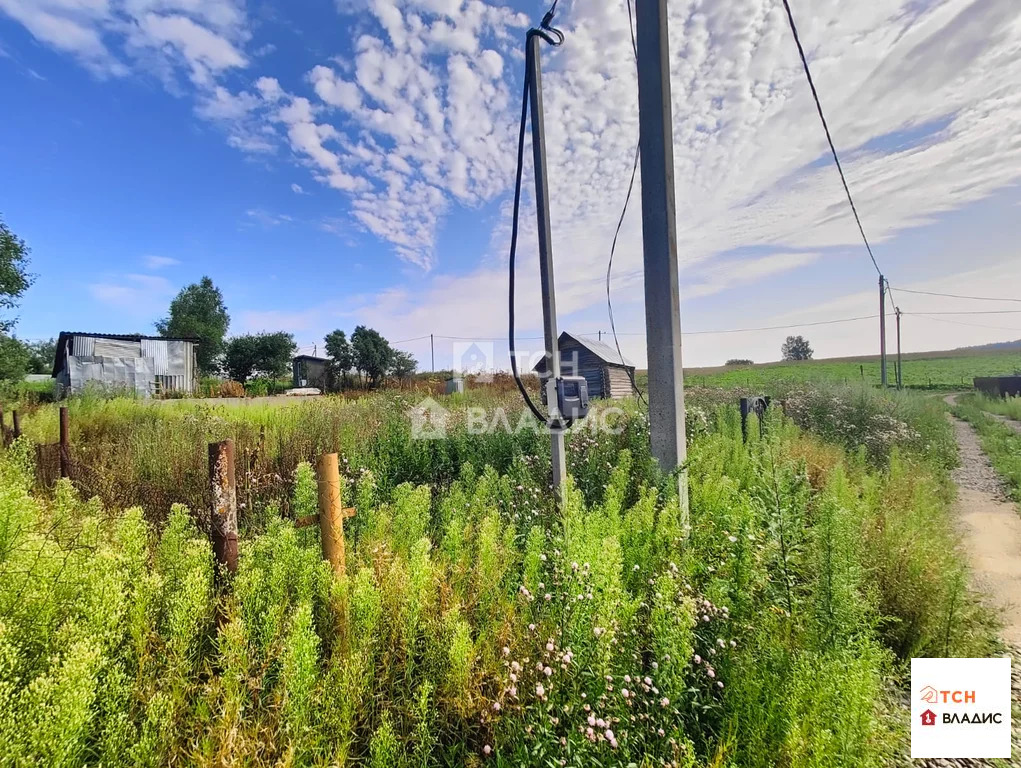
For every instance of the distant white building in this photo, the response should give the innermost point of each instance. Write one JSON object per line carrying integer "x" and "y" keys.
{"x": 146, "y": 365}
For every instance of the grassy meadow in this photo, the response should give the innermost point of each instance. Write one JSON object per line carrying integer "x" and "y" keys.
{"x": 923, "y": 370}
{"x": 476, "y": 623}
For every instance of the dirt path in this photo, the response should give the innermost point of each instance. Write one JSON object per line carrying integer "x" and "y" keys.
{"x": 992, "y": 529}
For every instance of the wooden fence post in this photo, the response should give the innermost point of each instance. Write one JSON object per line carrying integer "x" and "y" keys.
{"x": 65, "y": 444}
{"x": 16, "y": 418}
{"x": 3, "y": 427}
{"x": 331, "y": 511}
{"x": 224, "y": 519}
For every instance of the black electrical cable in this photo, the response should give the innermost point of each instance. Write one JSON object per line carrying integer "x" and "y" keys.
{"x": 957, "y": 295}
{"x": 554, "y": 37}
{"x": 620, "y": 222}
{"x": 826, "y": 128}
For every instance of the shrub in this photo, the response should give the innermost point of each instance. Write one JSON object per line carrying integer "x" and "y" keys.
{"x": 230, "y": 388}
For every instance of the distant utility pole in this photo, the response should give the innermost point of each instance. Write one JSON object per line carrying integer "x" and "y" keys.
{"x": 600, "y": 335}
{"x": 432, "y": 352}
{"x": 549, "y": 300}
{"x": 900, "y": 380}
{"x": 882, "y": 330}
{"x": 659, "y": 237}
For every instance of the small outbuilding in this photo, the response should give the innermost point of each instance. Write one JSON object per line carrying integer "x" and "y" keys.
{"x": 600, "y": 364}
{"x": 999, "y": 386}
{"x": 309, "y": 371}
{"x": 144, "y": 365}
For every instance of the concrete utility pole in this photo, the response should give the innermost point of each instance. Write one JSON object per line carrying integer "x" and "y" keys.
{"x": 549, "y": 300}
{"x": 432, "y": 352}
{"x": 900, "y": 380}
{"x": 659, "y": 227}
{"x": 882, "y": 330}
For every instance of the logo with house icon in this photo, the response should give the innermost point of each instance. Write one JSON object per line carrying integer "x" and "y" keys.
{"x": 428, "y": 420}
{"x": 928, "y": 717}
{"x": 929, "y": 695}
{"x": 474, "y": 358}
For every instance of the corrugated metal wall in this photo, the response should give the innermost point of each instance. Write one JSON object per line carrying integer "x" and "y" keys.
{"x": 158, "y": 351}
{"x": 84, "y": 346}
{"x": 162, "y": 363}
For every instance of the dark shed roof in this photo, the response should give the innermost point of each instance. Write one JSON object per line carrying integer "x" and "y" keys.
{"x": 604, "y": 352}
{"x": 313, "y": 358}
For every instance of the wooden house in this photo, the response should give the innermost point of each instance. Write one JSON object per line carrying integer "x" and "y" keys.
{"x": 599, "y": 363}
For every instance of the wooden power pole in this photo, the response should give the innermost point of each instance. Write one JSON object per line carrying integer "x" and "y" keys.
{"x": 659, "y": 228}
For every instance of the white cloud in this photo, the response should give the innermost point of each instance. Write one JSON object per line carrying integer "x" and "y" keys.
{"x": 199, "y": 39}
{"x": 160, "y": 262}
{"x": 267, "y": 219}
{"x": 298, "y": 189}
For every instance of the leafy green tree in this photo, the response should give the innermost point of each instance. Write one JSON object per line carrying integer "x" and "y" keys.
{"x": 260, "y": 354}
{"x": 14, "y": 276}
{"x": 43, "y": 352}
{"x": 15, "y": 358}
{"x": 373, "y": 353}
{"x": 340, "y": 351}
{"x": 198, "y": 312}
{"x": 796, "y": 348}
{"x": 403, "y": 365}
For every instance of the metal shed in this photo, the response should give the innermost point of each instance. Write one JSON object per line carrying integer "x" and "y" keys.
{"x": 999, "y": 386}
{"x": 144, "y": 365}
{"x": 599, "y": 363}
{"x": 309, "y": 371}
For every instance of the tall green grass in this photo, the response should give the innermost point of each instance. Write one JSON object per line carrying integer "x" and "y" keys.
{"x": 1004, "y": 406}
{"x": 476, "y": 622}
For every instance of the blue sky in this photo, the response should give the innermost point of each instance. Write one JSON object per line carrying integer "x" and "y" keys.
{"x": 352, "y": 163}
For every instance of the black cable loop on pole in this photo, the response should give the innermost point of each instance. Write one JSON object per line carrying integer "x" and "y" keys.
{"x": 555, "y": 38}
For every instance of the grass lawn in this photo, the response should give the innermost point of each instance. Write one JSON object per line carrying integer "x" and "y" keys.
{"x": 926, "y": 370}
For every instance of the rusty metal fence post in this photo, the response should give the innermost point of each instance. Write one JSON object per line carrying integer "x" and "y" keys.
{"x": 16, "y": 419}
{"x": 331, "y": 511}
{"x": 65, "y": 444}
{"x": 224, "y": 519}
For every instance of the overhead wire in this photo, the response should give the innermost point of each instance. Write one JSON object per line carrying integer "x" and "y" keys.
{"x": 833, "y": 148}
{"x": 620, "y": 222}
{"x": 956, "y": 295}
{"x": 958, "y": 322}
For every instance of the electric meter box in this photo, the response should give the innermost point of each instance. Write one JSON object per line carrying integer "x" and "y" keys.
{"x": 572, "y": 397}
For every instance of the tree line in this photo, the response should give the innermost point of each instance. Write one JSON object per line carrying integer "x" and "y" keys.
{"x": 198, "y": 311}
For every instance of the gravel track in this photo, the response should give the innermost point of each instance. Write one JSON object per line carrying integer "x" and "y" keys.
{"x": 991, "y": 532}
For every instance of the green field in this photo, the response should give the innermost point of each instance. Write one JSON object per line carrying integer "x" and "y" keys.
{"x": 924, "y": 370}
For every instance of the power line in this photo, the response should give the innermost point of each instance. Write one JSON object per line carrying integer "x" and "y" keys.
{"x": 957, "y": 296}
{"x": 973, "y": 312}
{"x": 405, "y": 341}
{"x": 829, "y": 138}
{"x": 970, "y": 325}
{"x": 750, "y": 330}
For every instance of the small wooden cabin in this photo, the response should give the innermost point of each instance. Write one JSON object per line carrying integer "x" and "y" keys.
{"x": 599, "y": 363}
